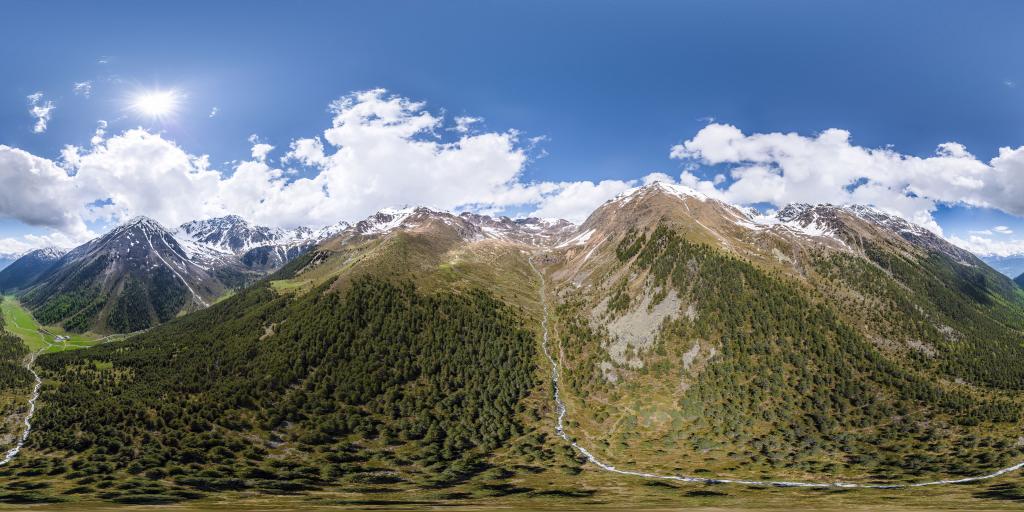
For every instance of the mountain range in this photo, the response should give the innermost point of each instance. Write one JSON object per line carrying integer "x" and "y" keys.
{"x": 8, "y": 258}
{"x": 141, "y": 274}
{"x": 410, "y": 357}
{"x": 1012, "y": 265}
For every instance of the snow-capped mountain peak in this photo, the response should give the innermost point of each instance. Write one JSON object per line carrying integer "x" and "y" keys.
{"x": 50, "y": 253}
{"x": 386, "y": 220}
{"x": 673, "y": 189}
{"x": 326, "y": 231}
{"x": 233, "y": 234}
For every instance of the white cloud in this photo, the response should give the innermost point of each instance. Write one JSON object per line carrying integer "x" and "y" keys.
{"x": 307, "y": 152}
{"x": 51, "y": 201}
{"x": 213, "y": 112}
{"x": 575, "y": 200}
{"x": 40, "y": 110}
{"x": 101, "y": 131}
{"x": 260, "y": 151}
{"x": 779, "y": 168}
{"x": 464, "y": 123}
{"x": 83, "y": 88}
{"x": 382, "y": 150}
{"x": 10, "y": 245}
{"x": 379, "y": 150}
{"x": 985, "y": 246}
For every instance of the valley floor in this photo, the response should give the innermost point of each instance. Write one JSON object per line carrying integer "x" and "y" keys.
{"x": 49, "y": 338}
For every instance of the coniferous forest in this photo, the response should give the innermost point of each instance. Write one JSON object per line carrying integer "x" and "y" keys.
{"x": 381, "y": 371}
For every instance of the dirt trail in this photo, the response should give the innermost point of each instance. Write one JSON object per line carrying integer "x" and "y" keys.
{"x": 560, "y": 410}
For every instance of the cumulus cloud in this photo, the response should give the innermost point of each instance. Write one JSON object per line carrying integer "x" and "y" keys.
{"x": 385, "y": 150}
{"x": 379, "y": 150}
{"x": 40, "y": 110}
{"x": 213, "y": 112}
{"x": 52, "y": 197}
{"x": 778, "y": 169}
{"x": 575, "y": 200}
{"x": 83, "y": 88}
{"x": 307, "y": 152}
{"x": 464, "y": 123}
{"x": 986, "y": 246}
{"x": 260, "y": 151}
{"x": 101, "y": 131}
{"x": 10, "y": 245}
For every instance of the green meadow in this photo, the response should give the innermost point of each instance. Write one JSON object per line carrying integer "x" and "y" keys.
{"x": 21, "y": 323}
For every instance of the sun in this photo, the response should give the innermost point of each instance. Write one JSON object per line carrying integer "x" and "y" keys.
{"x": 156, "y": 103}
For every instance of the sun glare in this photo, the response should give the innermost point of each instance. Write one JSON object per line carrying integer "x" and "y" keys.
{"x": 156, "y": 103}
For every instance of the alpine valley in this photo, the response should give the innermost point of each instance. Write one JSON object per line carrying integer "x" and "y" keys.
{"x": 670, "y": 349}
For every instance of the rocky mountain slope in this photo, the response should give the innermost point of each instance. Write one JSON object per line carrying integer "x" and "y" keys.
{"x": 130, "y": 279}
{"x": 693, "y": 330}
{"x": 402, "y": 358}
{"x": 29, "y": 268}
{"x": 224, "y": 241}
{"x": 191, "y": 266}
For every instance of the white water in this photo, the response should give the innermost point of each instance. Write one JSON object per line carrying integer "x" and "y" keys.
{"x": 13, "y": 452}
{"x": 560, "y": 431}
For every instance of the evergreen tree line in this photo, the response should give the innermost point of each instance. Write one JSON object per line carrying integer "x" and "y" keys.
{"x": 13, "y": 374}
{"x": 271, "y": 392}
{"x": 792, "y": 385}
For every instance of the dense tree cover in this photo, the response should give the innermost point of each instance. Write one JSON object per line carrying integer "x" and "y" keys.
{"x": 15, "y": 383}
{"x": 791, "y": 384}
{"x": 13, "y": 374}
{"x": 162, "y": 292}
{"x": 78, "y": 299}
{"x": 288, "y": 393}
{"x": 131, "y": 309}
{"x": 986, "y": 315}
{"x": 74, "y": 299}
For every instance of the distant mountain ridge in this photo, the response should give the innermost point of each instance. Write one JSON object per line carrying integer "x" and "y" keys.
{"x": 8, "y": 258}
{"x": 29, "y": 268}
{"x": 688, "y": 336}
{"x": 203, "y": 259}
{"x": 198, "y": 262}
{"x": 1011, "y": 266}
{"x": 133, "y": 277}
{"x": 232, "y": 239}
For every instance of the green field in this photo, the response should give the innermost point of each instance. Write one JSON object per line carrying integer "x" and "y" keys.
{"x": 20, "y": 322}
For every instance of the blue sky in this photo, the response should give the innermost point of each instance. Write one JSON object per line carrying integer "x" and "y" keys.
{"x": 611, "y": 87}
